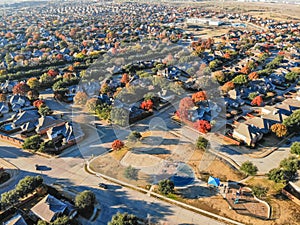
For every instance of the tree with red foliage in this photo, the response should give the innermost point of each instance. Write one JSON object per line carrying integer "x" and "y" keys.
{"x": 125, "y": 78}
{"x": 202, "y": 125}
{"x": 147, "y": 105}
{"x": 184, "y": 105}
{"x": 117, "y": 145}
{"x": 199, "y": 96}
{"x": 258, "y": 100}
{"x": 38, "y": 103}
{"x": 21, "y": 88}
{"x": 52, "y": 73}
{"x": 253, "y": 76}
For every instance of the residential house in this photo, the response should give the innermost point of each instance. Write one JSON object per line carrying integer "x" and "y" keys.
{"x": 247, "y": 133}
{"x": 50, "y": 208}
{"x": 16, "y": 220}
{"x": 261, "y": 124}
{"x": 7, "y": 86}
{"x": 276, "y": 116}
{"x": 4, "y": 108}
{"x": 18, "y": 101}
{"x": 24, "y": 117}
{"x": 65, "y": 131}
{"x": 47, "y": 122}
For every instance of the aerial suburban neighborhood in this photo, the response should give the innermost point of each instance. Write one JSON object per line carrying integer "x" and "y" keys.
{"x": 159, "y": 112}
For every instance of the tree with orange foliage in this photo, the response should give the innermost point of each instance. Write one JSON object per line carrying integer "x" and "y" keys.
{"x": 227, "y": 86}
{"x": 227, "y": 56}
{"x": 202, "y": 126}
{"x": 279, "y": 129}
{"x": 199, "y": 96}
{"x": 253, "y": 76}
{"x": 117, "y": 145}
{"x": 80, "y": 98}
{"x": 147, "y": 105}
{"x": 125, "y": 78}
{"x": 68, "y": 76}
{"x": 21, "y": 88}
{"x": 258, "y": 101}
{"x": 2, "y": 97}
{"x": 245, "y": 70}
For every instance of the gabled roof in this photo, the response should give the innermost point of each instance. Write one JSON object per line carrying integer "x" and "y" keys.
{"x": 47, "y": 122}
{"x": 259, "y": 123}
{"x": 16, "y": 220}
{"x": 275, "y": 116}
{"x": 48, "y": 208}
{"x": 26, "y": 116}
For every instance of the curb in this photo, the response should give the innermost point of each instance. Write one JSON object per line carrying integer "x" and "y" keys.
{"x": 13, "y": 174}
{"x": 158, "y": 196}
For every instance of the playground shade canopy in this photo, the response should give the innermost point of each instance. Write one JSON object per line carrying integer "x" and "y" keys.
{"x": 214, "y": 181}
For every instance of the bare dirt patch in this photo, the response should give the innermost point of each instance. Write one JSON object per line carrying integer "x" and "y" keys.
{"x": 215, "y": 168}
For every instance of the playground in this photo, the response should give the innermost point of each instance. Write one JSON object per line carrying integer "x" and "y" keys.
{"x": 243, "y": 202}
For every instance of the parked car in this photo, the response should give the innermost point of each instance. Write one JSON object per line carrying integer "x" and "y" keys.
{"x": 102, "y": 185}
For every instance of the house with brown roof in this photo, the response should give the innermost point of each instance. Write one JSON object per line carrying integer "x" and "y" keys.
{"x": 50, "y": 208}
{"x": 247, "y": 133}
{"x": 47, "y": 122}
{"x": 260, "y": 123}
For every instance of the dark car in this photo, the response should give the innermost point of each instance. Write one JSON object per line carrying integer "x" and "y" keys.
{"x": 102, "y": 185}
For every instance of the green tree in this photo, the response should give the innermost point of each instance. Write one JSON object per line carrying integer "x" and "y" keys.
{"x": 63, "y": 220}
{"x": 290, "y": 164}
{"x": 134, "y": 136}
{"x": 124, "y": 219}
{"x": 42, "y": 222}
{"x": 293, "y": 120}
{"x": 259, "y": 191}
{"x": 85, "y": 200}
{"x": 201, "y": 143}
{"x": 9, "y": 198}
{"x": 131, "y": 173}
{"x": 103, "y": 111}
{"x": 240, "y": 79}
{"x": 249, "y": 168}
{"x": 166, "y": 187}
{"x": 276, "y": 175}
{"x": 28, "y": 184}
{"x": 120, "y": 116}
{"x": 32, "y": 142}
{"x": 44, "y": 110}
{"x": 252, "y": 95}
{"x": 292, "y": 76}
{"x": 295, "y": 148}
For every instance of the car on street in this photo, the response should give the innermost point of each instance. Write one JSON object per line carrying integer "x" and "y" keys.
{"x": 102, "y": 185}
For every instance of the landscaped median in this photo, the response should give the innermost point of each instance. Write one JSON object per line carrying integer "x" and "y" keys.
{"x": 161, "y": 197}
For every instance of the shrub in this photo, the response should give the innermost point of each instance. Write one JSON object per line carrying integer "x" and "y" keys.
{"x": 201, "y": 143}
{"x": 249, "y": 168}
{"x": 166, "y": 187}
{"x": 295, "y": 148}
{"x": 117, "y": 145}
